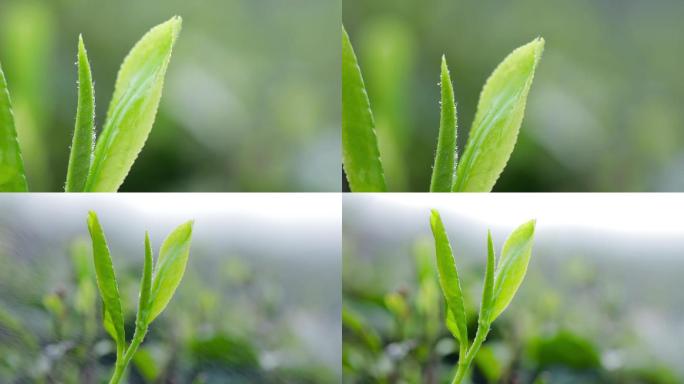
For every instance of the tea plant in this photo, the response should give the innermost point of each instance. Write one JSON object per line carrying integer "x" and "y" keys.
{"x": 157, "y": 286}
{"x": 102, "y": 165}
{"x": 492, "y": 136}
{"x": 501, "y": 282}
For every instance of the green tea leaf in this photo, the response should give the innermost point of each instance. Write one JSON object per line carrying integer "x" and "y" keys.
{"x": 133, "y": 107}
{"x": 512, "y": 266}
{"x": 360, "y": 154}
{"x": 445, "y": 158}
{"x": 499, "y": 114}
{"x": 84, "y": 133}
{"x": 146, "y": 365}
{"x": 12, "y": 177}
{"x": 173, "y": 257}
{"x": 145, "y": 285}
{"x": 488, "y": 287}
{"x": 448, "y": 277}
{"x": 106, "y": 282}
{"x": 354, "y": 323}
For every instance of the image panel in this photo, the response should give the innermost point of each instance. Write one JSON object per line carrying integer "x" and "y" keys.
{"x": 581, "y": 289}
{"x": 594, "y": 119}
{"x": 248, "y": 95}
{"x": 256, "y": 277}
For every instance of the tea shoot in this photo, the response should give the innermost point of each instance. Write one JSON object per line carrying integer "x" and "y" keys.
{"x": 101, "y": 165}
{"x": 158, "y": 284}
{"x": 492, "y": 136}
{"x": 501, "y": 282}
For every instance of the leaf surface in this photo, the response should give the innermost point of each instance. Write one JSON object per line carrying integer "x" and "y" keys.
{"x": 360, "y": 154}
{"x": 106, "y": 282}
{"x": 448, "y": 277}
{"x": 512, "y": 267}
{"x": 445, "y": 158}
{"x": 173, "y": 257}
{"x": 12, "y": 176}
{"x": 500, "y": 112}
{"x": 133, "y": 107}
{"x": 83, "y": 141}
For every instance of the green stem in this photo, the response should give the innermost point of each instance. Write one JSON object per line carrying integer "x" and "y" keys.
{"x": 464, "y": 361}
{"x": 121, "y": 364}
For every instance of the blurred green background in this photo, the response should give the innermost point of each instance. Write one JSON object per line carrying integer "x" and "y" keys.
{"x": 604, "y": 112}
{"x": 601, "y": 301}
{"x": 251, "y": 99}
{"x": 259, "y": 301}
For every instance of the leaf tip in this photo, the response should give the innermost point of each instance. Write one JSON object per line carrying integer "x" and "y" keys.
{"x": 176, "y": 24}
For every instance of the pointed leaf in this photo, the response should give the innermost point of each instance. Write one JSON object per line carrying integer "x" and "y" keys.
{"x": 12, "y": 177}
{"x": 445, "y": 158}
{"x": 83, "y": 140}
{"x": 133, "y": 108}
{"x": 173, "y": 257}
{"x": 448, "y": 276}
{"x": 499, "y": 114}
{"x": 360, "y": 153}
{"x": 488, "y": 287}
{"x": 512, "y": 267}
{"x": 106, "y": 282}
{"x": 145, "y": 285}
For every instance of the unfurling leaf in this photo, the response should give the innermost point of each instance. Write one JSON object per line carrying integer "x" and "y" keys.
{"x": 133, "y": 107}
{"x": 84, "y": 133}
{"x": 488, "y": 287}
{"x": 448, "y": 277}
{"x": 512, "y": 267}
{"x": 168, "y": 272}
{"x": 12, "y": 177}
{"x": 445, "y": 158}
{"x": 499, "y": 115}
{"x": 145, "y": 285}
{"x": 360, "y": 153}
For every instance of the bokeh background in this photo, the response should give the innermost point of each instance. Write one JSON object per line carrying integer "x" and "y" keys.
{"x": 601, "y": 302}
{"x": 604, "y": 112}
{"x": 259, "y": 302}
{"x": 251, "y": 100}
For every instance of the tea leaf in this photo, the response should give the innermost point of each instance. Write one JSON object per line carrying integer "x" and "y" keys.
{"x": 512, "y": 266}
{"x": 145, "y": 284}
{"x": 173, "y": 257}
{"x": 106, "y": 282}
{"x": 133, "y": 107}
{"x": 360, "y": 154}
{"x": 12, "y": 177}
{"x": 84, "y": 133}
{"x": 448, "y": 277}
{"x": 445, "y": 158}
{"x": 488, "y": 287}
{"x": 499, "y": 114}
